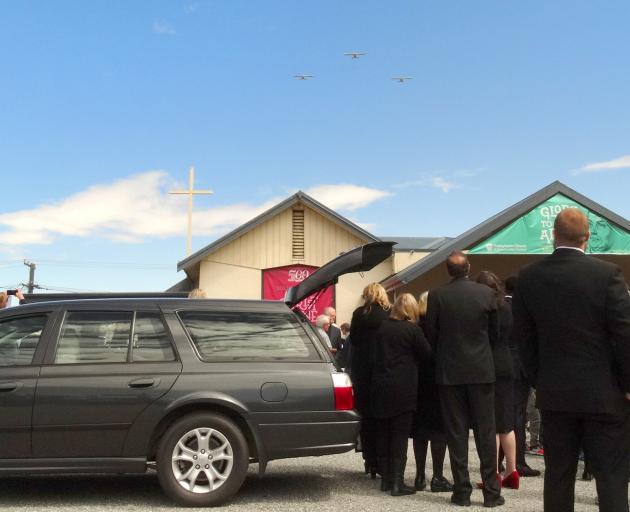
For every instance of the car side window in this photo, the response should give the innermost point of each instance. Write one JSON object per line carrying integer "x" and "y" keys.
{"x": 151, "y": 341}
{"x": 19, "y": 338}
{"x": 247, "y": 335}
{"x": 94, "y": 337}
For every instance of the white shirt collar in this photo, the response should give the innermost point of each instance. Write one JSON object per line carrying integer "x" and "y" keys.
{"x": 569, "y": 247}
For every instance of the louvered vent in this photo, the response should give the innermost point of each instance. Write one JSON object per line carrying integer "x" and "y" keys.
{"x": 298, "y": 234}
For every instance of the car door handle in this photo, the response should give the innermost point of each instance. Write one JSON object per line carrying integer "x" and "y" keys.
{"x": 7, "y": 387}
{"x": 144, "y": 383}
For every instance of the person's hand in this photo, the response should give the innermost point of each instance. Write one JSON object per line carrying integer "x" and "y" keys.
{"x": 19, "y": 294}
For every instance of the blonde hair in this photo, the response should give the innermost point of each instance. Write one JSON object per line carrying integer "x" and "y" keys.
{"x": 197, "y": 293}
{"x": 4, "y": 300}
{"x": 423, "y": 299}
{"x": 405, "y": 308}
{"x": 374, "y": 293}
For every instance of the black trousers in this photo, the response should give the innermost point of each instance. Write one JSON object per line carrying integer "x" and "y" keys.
{"x": 465, "y": 407}
{"x": 521, "y": 395}
{"x": 368, "y": 440}
{"x": 393, "y": 436}
{"x": 605, "y": 439}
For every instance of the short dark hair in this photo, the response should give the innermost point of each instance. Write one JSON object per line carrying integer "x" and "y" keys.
{"x": 457, "y": 264}
{"x": 510, "y": 284}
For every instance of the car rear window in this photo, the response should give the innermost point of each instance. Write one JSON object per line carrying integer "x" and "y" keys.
{"x": 247, "y": 335}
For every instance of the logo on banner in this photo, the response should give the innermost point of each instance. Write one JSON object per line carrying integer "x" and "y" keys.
{"x": 298, "y": 275}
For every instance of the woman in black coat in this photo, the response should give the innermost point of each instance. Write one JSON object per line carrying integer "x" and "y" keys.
{"x": 366, "y": 321}
{"x": 427, "y": 424}
{"x": 504, "y": 385}
{"x": 400, "y": 347}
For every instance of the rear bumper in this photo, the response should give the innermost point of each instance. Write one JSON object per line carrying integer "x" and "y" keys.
{"x": 287, "y": 435}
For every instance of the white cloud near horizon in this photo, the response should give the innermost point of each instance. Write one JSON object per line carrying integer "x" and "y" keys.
{"x": 164, "y": 29}
{"x": 345, "y": 196}
{"x": 622, "y": 162}
{"x": 139, "y": 207}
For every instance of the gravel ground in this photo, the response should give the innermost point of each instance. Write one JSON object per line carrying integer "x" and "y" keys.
{"x": 313, "y": 484}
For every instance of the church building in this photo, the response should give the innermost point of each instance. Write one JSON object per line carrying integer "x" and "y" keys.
{"x": 282, "y": 246}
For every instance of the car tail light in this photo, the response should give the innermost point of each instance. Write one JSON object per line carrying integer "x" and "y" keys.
{"x": 344, "y": 396}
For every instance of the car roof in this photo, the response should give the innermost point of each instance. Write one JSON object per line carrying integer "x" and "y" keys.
{"x": 139, "y": 303}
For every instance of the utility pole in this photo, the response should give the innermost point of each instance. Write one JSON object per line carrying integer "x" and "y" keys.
{"x": 31, "y": 275}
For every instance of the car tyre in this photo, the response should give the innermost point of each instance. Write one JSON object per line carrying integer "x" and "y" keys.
{"x": 202, "y": 460}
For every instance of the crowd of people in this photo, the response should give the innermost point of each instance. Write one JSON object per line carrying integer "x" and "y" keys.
{"x": 465, "y": 356}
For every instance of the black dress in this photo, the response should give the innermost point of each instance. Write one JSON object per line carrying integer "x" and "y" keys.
{"x": 428, "y": 424}
{"x": 504, "y": 385}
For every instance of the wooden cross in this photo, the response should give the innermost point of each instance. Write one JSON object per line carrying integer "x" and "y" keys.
{"x": 190, "y": 192}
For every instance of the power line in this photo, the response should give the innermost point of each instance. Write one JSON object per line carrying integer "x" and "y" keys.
{"x": 52, "y": 288}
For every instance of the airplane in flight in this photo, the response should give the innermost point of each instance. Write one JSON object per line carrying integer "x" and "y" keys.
{"x": 402, "y": 79}
{"x": 303, "y": 77}
{"x": 354, "y": 55}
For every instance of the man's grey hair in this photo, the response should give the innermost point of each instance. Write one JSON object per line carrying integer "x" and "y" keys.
{"x": 322, "y": 320}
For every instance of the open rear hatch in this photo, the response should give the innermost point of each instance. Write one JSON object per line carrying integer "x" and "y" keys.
{"x": 360, "y": 259}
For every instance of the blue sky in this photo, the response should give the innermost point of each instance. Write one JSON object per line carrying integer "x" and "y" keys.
{"x": 105, "y": 104}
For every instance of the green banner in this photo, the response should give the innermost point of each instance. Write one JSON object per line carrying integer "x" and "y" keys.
{"x": 533, "y": 232}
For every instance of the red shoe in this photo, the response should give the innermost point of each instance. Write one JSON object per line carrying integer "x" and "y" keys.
{"x": 511, "y": 481}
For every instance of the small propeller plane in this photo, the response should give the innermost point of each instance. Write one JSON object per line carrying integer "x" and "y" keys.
{"x": 354, "y": 55}
{"x": 402, "y": 79}
{"x": 303, "y": 77}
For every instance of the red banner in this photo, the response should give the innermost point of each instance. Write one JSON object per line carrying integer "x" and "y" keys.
{"x": 276, "y": 281}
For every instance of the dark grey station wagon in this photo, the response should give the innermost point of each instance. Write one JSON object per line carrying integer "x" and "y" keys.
{"x": 197, "y": 389}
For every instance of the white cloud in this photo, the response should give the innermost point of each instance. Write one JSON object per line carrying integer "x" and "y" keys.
{"x": 444, "y": 185}
{"x": 345, "y": 196}
{"x": 139, "y": 207}
{"x": 164, "y": 29}
{"x": 622, "y": 162}
{"x": 438, "y": 182}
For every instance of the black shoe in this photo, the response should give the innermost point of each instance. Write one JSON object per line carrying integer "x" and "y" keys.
{"x": 386, "y": 476}
{"x": 587, "y": 476}
{"x": 496, "y": 502}
{"x": 525, "y": 471}
{"x": 460, "y": 501}
{"x": 398, "y": 473}
{"x": 440, "y": 484}
{"x": 421, "y": 483}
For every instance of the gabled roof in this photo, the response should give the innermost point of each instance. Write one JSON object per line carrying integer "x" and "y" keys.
{"x": 416, "y": 243}
{"x": 298, "y": 197}
{"x": 494, "y": 224}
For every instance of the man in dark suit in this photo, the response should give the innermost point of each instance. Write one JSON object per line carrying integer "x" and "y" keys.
{"x": 522, "y": 388}
{"x": 572, "y": 320}
{"x": 334, "y": 333}
{"x": 462, "y": 326}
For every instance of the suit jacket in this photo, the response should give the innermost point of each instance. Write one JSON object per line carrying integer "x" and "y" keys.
{"x": 572, "y": 320}
{"x": 334, "y": 334}
{"x": 398, "y": 351}
{"x": 462, "y": 327}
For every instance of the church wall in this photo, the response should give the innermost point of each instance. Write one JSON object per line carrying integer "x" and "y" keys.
{"x": 348, "y": 289}
{"x": 324, "y": 240}
{"x": 266, "y": 246}
{"x": 403, "y": 259}
{"x": 222, "y": 281}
